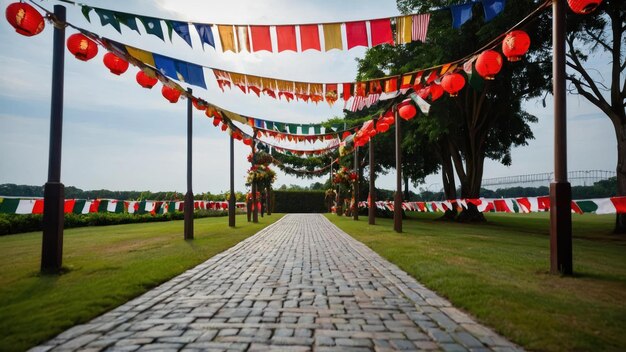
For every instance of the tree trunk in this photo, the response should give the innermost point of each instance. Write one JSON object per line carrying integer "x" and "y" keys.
{"x": 448, "y": 182}
{"x": 620, "y": 219}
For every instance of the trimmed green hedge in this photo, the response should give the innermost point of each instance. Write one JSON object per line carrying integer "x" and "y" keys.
{"x": 298, "y": 202}
{"x": 18, "y": 223}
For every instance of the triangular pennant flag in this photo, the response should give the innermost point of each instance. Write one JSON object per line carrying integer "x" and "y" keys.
{"x": 152, "y": 26}
{"x": 127, "y": 20}
{"x": 205, "y": 33}
{"x": 421, "y": 103}
{"x": 170, "y": 28}
{"x": 492, "y": 8}
{"x": 461, "y": 14}
{"x": 182, "y": 29}
{"x": 86, "y": 10}
{"x": 108, "y": 17}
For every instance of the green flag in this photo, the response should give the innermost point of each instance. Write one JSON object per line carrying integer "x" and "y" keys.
{"x": 152, "y": 26}
{"x": 9, "y": 205}
{"x": 127, "y": 20}
{"x": 108, "y": 17}
{"x": 587, "y": 206}
{"x": 293, "y": 128}
{"x": 305, "y": 129}
{"x": 86, "y": 10}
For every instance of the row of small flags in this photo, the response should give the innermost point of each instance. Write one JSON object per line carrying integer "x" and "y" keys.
{"x": 612, "y": 205}
{"x": 82, "y": 206}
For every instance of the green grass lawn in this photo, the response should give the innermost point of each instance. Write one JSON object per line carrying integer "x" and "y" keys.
{"x": 498, "y": 272}
{"x": 106, "y": 266}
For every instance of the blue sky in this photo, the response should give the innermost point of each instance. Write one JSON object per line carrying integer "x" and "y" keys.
{"x": 120, "y": 136}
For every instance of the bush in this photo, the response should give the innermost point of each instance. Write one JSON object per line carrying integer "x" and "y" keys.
{"x": 19, "y": 223}
{"x": 298, "y": 202}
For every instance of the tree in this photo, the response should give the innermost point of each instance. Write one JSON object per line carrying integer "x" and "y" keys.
{"x": 486, "y": 119}
{"x": 602, "y": 33}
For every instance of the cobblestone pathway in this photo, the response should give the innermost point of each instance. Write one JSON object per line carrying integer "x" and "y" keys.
{"x": 300, "y": 284}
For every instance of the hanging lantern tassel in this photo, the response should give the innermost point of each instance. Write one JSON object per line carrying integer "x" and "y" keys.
{"x": 25, "y": 19}
{"x": 583, "y": 7}
{"x": 146, "y": 81}
{"x": 406, "y": 109}
{"x": 452, "y": 83}
{"x": 515, "y": 45}
{"x": 115, "y": 64}
{"x": 83, "y": 48}
{"x": 170, "y": 94}
{"x": 488, "y": 64}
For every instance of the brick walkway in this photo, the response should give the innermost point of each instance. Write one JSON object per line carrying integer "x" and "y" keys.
{"x": 300, "y": 284}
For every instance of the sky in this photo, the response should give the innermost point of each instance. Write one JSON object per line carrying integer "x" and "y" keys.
{"x": 119, "y": 136}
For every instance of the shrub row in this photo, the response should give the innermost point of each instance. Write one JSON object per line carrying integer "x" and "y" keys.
{"x": 298, "y": 202}
{"x": 18, "y": 223}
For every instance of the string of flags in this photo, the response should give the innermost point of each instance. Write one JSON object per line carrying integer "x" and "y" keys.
{"x": 612, "y": 205}
{"x": 16, "y": 205}
{"x": 294, "y": 37}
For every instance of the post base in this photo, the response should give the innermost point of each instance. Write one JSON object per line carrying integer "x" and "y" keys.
{"x": 53, "y": 219}
{"x": 188, "y": 211}
{"x": 561, "y": 228}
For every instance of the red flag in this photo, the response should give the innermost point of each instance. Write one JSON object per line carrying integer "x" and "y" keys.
{"x": 310, "y": 37}
{"x": 381, "y": 32}
{"x": 356, "y": 34}
{"x": 620, "y": 204}
{"x": 69, "y": 205}
{"x": 286, "y": 37}
{"x": 347, "y": 91}
{"x": 38, "y": 207}
{"x": 261, "y": 38}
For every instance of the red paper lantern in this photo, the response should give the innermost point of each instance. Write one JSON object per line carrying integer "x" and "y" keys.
{"x": 145, "y": 81}
{"x": 515, "y": 44}
{"x": 436, "y": 91}
{"x": 198, "y": 105}
{"x": 247, "y": 141}
{"x": 372, "y": 133}
{"x": 115, "y": 64}
{"x": 406, "y": 109}
{"x": 216, "y": 121}
{"x": 25, "y": 19}
{"x": 81, "y": 47}
{"x": 583, "y": 7}
{"x": 453, "y": 83}
{"x": 488, "y": 64}
{"x": 170, "y": 94}
{"x": 382, "y": 126}
{"x": 224, "y": 126}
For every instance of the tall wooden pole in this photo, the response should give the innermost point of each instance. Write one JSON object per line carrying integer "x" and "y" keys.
{"x": 268, "y": 200}
{"x": 54, "y": 190}
{"x": 189, "y": 204}
{"x": 560, "y": 189}
{"x": 232, "y": 199}
{"x": 355, "y": 216}
{"x": 255, "y": 200}
{"x": 397, "y": 200}
{"x": 371, "y": 199}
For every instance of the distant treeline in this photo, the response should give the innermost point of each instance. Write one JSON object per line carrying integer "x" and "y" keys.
{"x": 10, "y": 189}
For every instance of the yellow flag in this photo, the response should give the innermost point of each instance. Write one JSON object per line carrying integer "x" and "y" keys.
{"x": 332, "y": 36}
{"x": 405, "y": 24}
{"x": 141, "y": 55}
{"x": 227, "y": 37}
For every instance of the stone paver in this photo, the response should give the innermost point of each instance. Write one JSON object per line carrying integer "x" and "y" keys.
{"x": 300, "y": 284}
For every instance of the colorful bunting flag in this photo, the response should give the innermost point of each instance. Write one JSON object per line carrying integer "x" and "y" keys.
{"x": 286, "y": 38}
{"x": 381, "y": 32}
{"x": 356, "y": 34}
{"x": 152, "y": 26}
{"x": 227, "y": 37}
{"x": 261, "y": 39}
{"x": 332, "y": 36}
{"x": 182, "y": 29}
{"x": 461, "y": 14}
{"x": 108, "y": 17}
{"x": 205, "y": 33}
{"x": 310, "y": 37}
{"x": 492, "y": 8}
{"x": 420, "y": 27}
{"x": 404, "y": 26}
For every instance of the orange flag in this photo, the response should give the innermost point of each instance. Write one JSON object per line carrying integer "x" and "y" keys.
{"x": 227, "y": 37}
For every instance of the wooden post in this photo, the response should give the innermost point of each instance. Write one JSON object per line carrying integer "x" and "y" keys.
{"x": 268, "y": 201}
{"x": 371, "y": 199}
{"x": 397, "y": 200}
{"x": 560, "y": 189}
{"x": 232, "y": 199}
{"x": 54, "y": 190}
{"x": 189, "y": 203}
{"x": 355, "y": 216}
{"x": 255, "y": 213}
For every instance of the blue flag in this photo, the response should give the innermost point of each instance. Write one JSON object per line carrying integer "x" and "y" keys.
{"x": 205, "y": 33}
{"x": 182, "y": 29}
{"x": 180, "y": 70}
{"x": 461, "y": 14}
{"x": 492, "y": 8}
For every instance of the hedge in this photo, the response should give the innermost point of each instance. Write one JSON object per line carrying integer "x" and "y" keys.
{"x": 19, "y": 223}
{"x": 298, "y": 202}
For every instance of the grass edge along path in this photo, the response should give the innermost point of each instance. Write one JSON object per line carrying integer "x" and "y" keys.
{"x": 498, "y": 272}
{"x": 106, "y": 267}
